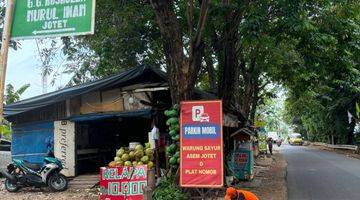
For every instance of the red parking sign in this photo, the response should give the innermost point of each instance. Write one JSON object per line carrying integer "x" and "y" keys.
{"x": 201, "y": 144}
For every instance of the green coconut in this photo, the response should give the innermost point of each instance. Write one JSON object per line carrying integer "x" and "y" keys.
{"x": 176, "y": 138}
{"x": 132, "y": 154}
{"x": 120, "y": 152}
{"x": 128, "y": 164}
{"x": 139, "y": 147}
{"x": 119, "y": 163}
{"x": 139, "y": 154}
{"x": 173, "y": 161}
{"x": 125, "y": 157}
{"x": 145, "y": 159}
{"x": 177, "y": 154}
{"x": 173, "y": 133}
{"x": 172, "y": 121}
{"x": 150, "y": 165}
{"x": 149, "y": 152}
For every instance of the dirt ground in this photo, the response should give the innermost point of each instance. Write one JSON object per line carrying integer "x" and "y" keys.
{"x": 270, "y": 178}
{"x": 45, "y": 194}
{"x": 269, "y": 183}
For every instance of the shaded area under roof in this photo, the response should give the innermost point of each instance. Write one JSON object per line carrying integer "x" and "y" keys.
{"x": 142, "y": 76}
{"x": 144, "y": 113}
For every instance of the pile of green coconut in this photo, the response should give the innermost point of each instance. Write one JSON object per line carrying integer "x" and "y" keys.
{"x": 138, "y": 156}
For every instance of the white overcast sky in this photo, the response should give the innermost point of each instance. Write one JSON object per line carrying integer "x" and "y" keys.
{"x": 24, "y": 67}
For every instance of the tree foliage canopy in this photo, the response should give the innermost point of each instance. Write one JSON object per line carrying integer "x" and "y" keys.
{"x": 236, "y": 49}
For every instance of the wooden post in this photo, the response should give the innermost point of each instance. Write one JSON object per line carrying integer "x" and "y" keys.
{"x": 9, "y": 13}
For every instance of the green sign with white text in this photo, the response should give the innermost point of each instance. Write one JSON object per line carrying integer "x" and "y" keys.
{"x": 52, "y": 18}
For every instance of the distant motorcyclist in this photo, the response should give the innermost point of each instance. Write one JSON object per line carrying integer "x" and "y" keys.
{"x": 270, "y": 145}
{"x": 234, "y": 194}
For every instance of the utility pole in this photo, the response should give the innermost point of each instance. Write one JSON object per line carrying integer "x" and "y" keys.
{"x": 44, "y": 81}
{"x": 9, "y": 13}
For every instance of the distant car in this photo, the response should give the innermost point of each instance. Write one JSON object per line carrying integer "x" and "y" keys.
{"x": 295, "y": 139}
{"x": 5, "y": 145}
{"x": 204, "y": 117}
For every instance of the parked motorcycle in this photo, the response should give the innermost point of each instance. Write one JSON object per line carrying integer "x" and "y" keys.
{"x": 278, "y": 142}
{"x": 21, "y": 173}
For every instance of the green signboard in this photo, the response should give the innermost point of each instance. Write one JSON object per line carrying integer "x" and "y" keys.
{"x": 52, "y": 18}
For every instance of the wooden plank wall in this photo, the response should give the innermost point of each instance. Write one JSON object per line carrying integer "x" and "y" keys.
{"x": 94, "y": 102}
{"x": 104, "y": 101}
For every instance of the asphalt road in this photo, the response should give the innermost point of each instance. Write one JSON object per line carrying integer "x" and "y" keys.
{"x": 321, "y": 175}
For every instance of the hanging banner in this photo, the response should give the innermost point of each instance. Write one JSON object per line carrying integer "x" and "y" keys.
{"x": 52, "y": 18}
{"x": 201, "y": 144}
{"x": 64, "y": 146}
{"x": 123, "y": 183}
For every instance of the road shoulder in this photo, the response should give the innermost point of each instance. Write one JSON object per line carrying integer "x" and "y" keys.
{"x": 346, "y": 153}
{"x": 270, "y": 178}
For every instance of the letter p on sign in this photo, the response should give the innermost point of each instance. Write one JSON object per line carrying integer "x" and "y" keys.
{"x": 197, "y": 111}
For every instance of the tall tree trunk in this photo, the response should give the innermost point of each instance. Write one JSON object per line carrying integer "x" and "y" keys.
{"x": 250, "y": 78}
{"x": 255, "y": 100}
{"x": 171, "y": 33}
{"x": 227, "y": 54}
{"x": 247, "y": 96}
{"x": 182, "y": 71}
{"x": 229, "y": 76}
{"x": 210, "y": 70}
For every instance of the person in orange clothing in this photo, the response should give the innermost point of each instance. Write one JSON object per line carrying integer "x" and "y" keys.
{"x": 233, "y": 194}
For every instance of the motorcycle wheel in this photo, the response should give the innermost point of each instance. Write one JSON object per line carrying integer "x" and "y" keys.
{"x": 57, "y": 182}
{"x": 10, "y": 187}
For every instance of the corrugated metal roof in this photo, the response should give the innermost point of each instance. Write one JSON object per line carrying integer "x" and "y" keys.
{"x": 142, "y": 77}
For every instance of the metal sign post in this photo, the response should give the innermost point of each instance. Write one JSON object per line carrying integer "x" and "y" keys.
{"x": 4, "y": 52}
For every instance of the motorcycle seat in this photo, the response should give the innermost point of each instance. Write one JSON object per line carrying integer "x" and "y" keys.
{"x": 32, "y": 166}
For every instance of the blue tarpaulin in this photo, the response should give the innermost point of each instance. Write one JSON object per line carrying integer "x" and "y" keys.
{"x": 30, "y": 141}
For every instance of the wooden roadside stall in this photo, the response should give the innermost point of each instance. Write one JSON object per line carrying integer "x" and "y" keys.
{"x": 89, "y": 122}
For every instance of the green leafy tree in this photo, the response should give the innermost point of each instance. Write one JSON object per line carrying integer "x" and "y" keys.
{"x": 327, "y": 85}
{"x": 12, "y": 95}
{"x": 234, "y": 49}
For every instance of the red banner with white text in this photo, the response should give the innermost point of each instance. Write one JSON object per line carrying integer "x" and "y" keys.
{"x": 201, "y": 144}
{"x": 123, "y": 183}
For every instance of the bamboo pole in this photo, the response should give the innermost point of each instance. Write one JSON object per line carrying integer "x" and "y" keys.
{"x": 9, "y": 13}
